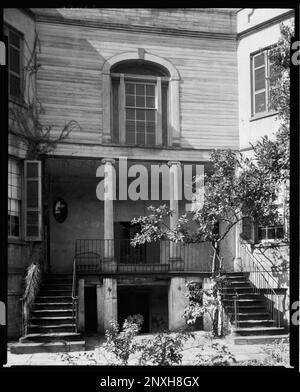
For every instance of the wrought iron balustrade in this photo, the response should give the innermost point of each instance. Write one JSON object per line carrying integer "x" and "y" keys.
{"x": 118, "y": 256}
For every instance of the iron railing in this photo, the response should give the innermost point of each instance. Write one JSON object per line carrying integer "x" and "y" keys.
{"x": 74, "y": 298}
{"x": 100, "y": 255}
{"x": 263, "y": 282}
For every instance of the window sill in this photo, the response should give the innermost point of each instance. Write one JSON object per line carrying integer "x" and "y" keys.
{"x": 143, "y": 146}
{"x": 270, "y": 243}
{"x": 262, "y": 115}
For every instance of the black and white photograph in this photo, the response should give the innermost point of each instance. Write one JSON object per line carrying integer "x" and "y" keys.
{"x": 148, "y": 195}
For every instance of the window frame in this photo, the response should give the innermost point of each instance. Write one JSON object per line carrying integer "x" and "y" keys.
{"x": 20, "y": 200}
{"x": 120, "y": 79}
{"x": 7, "y": 29}
{"x": 38, "y": 209}
{"x": 267, "y": 89}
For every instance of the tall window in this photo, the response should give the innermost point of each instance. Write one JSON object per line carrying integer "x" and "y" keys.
{"x": 14, "y": 62}
{"x": 140, "y": 113}
{"x": 139, "y": 104}
{"x": 14, "y": 198}
{"x": 261, "y": 82}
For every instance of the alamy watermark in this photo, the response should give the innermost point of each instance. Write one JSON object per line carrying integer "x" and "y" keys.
{"x": 172, "y": 180}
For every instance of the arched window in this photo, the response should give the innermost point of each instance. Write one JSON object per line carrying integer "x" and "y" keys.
{"x": 140, "y": 101}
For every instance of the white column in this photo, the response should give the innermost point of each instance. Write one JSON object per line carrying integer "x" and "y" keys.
{"x": 81, "y": 312}
{"x": 175, "y": 196}
{"x": 100, "y": 308}
{"x": 237, "y": 266}
{"x": 177, "y": 303}
{"x": 109, "y": 184}
{"x": 110, "y": 301}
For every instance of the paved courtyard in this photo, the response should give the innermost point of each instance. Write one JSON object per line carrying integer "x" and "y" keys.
{"x": 93, "y": 350}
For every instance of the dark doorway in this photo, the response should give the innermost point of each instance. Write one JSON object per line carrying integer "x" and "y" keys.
{"x": 148, "y": 253}
{"x": 134, "y": 301}
{"x": 90, "y": 307}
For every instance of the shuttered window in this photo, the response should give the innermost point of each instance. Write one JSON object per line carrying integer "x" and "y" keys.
{"x": 33, "y": 200}
{"x": 15, "y": 47}
{"x": 261, "y": 82}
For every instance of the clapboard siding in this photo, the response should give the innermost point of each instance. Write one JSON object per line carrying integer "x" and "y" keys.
{"x": 193, "y": 19}
{"x": 70, "y": 80}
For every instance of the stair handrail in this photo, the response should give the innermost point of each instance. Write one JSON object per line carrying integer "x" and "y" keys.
{"x": 74, "y": 297}
{"x": 261, "y": 270}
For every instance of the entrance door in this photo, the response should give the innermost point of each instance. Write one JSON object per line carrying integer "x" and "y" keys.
{"x": 90, "y": 305}
{"x": 125, "y": 253}
{"x": 133, "y": 301}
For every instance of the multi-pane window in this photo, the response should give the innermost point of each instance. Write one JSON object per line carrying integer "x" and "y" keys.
{"x": 140, "y": 112}
{"x": 139, "y": 104}
{"x": 270, "y": 233}
{"x": 14, "y": 63}
{"x": 262, "y": 82}
{"x": 14, "y": 198}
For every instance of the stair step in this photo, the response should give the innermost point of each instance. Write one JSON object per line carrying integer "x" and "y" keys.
{"x": 259, "y": 331}
{"x": 52, "y": 336}
{"x": 54, "y": 298}
{"x": 53, "y": 285}
{"x": 52, "y": 305}
{"x": 239, "y": 288}
{"x": 52, "y": 312}
{"x": 32, "y": 328}
{"x": 254, "y": 323}
{"x": 247, "y": 316}
{"x": 45, "y": 292}
{"x": 51, "y": 320}
{"x": 53, "y": 347}
{"x": 259, "y": 339}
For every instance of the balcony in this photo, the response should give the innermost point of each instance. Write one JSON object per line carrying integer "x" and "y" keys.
{"x": 99, "y": 256}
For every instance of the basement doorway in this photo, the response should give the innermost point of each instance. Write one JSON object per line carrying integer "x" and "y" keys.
{"x": 133, "y": 301}
{"x": 90, "y": 308}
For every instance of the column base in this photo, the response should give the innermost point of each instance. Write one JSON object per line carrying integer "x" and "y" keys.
{"x": 177, "y": 304}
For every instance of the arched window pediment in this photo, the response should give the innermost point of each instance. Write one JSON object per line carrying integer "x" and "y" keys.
{"x": 140, "y": 100}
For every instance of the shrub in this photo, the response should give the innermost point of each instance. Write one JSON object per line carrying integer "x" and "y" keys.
{"x": 164, "y": 350}
{"x": 215, "y": 354}
{"x": 119, "y": 342}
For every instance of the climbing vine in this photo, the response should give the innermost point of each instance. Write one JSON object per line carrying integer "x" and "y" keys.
{"x": 25, "y": 118}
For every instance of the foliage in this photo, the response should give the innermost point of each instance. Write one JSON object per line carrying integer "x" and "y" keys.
{"x": 25, "y": 119}
{"x": 206, "y": 301}
{"x": 215, "y": 354}
{"x": 32, "y": 282}
{"x": 119, "y": 342}
{"x": 164, "y": 349}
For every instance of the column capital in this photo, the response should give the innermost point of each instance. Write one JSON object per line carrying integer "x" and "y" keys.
{"x": 108, "y": 160}
{"x": 172, "y": 163}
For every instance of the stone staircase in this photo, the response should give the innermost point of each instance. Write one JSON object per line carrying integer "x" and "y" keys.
{"x": 255, "y": 324}
{"x": 51, "y": 326}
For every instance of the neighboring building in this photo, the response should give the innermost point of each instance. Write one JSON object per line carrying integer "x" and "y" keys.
{"x": 153, "y": 86}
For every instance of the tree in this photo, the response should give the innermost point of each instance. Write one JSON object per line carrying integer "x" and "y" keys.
{"x": 236, "y": 187}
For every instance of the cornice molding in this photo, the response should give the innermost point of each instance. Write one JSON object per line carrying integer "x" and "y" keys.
{"x": 264, "y": 25}
{"x": 136, "y": 28}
